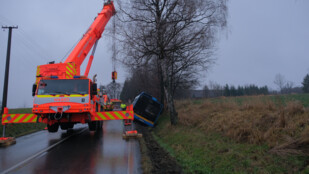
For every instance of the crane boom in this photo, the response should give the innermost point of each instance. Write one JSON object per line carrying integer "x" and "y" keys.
{"x": 93, "y": 34}
{"x": 71, "y": 66}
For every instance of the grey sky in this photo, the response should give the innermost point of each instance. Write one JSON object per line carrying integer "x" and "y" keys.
{"x": 47, "y": 31}
{"x": 265, "y": 37}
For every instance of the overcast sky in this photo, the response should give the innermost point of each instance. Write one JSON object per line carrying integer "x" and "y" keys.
{"x": 47, "y": 30}
{"x": 264, "y": 38}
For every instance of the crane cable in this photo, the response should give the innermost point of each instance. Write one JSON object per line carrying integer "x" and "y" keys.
{"x": 114, "y": 73}
{"x": 114, "y": 58}
{"x": 114, "y": 45}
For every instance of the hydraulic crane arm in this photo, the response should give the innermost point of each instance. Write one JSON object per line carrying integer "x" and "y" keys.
{"x": 71, "y": 66}
{"x": 93, "y": 34}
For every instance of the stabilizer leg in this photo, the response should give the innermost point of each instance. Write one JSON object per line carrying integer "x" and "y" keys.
{"x": 129, "y": 131}
{"x": 6, "y": 141}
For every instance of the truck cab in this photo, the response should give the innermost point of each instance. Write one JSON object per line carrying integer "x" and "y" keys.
{"x": 64, "y": 102}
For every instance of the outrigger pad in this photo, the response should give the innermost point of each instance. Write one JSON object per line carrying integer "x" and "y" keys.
{"x": 131, "y": 134}
{"x": 7, "y": 141}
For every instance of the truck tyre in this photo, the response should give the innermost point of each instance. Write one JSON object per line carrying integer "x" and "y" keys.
{"x": 63, "y": 126}
{"x": 66, "y": 126}
{"x": 53, "y": 127}
{"x": 92, "y": 125}
{"x": 95, "y": 125}
{"x": 100, "y": 125}
{"x": 70, "y": 125}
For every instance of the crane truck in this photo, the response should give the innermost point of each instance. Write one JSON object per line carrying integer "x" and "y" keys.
{"x": 64, "y": 97}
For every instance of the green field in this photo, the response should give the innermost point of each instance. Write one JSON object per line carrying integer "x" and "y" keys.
{"x": 16, "y": 130}
{"x": 239, "y": 135}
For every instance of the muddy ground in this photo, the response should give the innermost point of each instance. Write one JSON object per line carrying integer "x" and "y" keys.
{"x": 154, "y": 158}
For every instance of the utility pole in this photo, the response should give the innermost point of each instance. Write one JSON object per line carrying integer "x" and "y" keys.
{"x": 7, "y": 68}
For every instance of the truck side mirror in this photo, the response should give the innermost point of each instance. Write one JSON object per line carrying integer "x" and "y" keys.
{"x": 94, "y": 89}
{"x": 34, "y": 86}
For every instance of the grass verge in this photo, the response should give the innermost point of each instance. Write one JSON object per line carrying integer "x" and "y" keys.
{"x": 200, "y": 152}
{"x": 263, "y": 134}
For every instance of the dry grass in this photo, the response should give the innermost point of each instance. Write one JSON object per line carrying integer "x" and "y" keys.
{"x": 284, "y": 128}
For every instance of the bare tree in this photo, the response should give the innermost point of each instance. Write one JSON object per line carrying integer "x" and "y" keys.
{"x": 287, "y": 88}
{"x": 142, "y": 79}
{"x": 217, "y": 89}
{"x": 114, "y": 90}
{"x": 177, "y": 36}
{"x": 279, "y": 81}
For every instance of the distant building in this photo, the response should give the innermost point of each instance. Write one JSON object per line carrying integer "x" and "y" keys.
{"x": 190, "y": 93}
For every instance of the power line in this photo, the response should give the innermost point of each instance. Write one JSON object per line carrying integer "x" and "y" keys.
{"x": 28, "y": 41}
{"x": 70, "y": 50}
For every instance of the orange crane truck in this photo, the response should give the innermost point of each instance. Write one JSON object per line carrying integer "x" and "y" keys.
{"x": 64, "y": 97}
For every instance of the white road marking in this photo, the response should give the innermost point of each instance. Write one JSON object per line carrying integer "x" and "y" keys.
{"x": 22, "y": 163}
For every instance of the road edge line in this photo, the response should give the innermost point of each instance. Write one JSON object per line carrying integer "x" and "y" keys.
{"x": 38, "y": 154}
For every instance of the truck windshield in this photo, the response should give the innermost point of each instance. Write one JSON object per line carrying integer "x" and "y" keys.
{"x": 63, "y": 86}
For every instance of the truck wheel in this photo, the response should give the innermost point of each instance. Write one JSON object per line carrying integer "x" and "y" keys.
{"x": 66, "y": 126}
{"x": 63, "y": 126}
{"x": 53, "y": 127}
{"x": 92, "y": 125}
{"x": 95, "y": 125}
{"x": 70, "y": 125}
{"x": 100, "y": 125}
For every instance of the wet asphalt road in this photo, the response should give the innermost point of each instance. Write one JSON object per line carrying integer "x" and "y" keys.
{"x": 75, "y": 151}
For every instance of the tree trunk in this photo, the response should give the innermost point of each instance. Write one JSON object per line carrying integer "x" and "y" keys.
{"x": 162, "y": 88}
{"x": 168, "y": 92}
{"x": 171, "y": 106}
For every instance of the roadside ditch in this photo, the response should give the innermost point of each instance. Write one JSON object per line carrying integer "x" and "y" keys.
{"x": 155, "y": 159}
